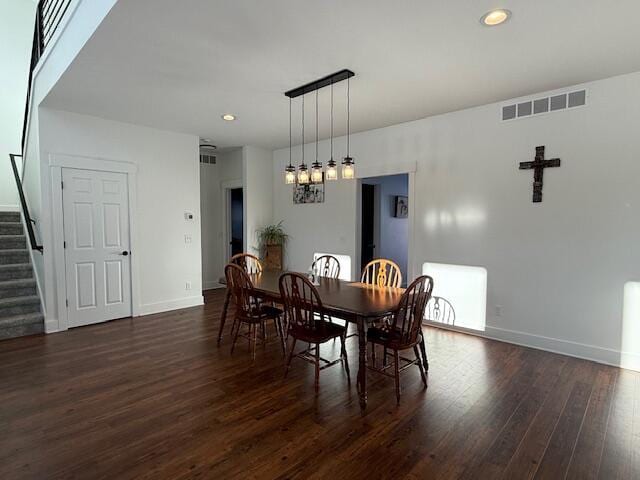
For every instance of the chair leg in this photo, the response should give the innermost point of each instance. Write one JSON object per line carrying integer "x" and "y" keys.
{"x": 343, "y": 339}
{"x": 419, "y": 362}
{"x": 317, "y": 383}
{"x": 373, "y": 354}
{"x": 397, "y": 373}
{"x": 423, "y": 349}
{"x": 263, "y": 333}
{"x": 384, "y": 357}
{"x": 290, "y": 357}
{"x": 237, "y": 331}
{"x": 283, "y": 344}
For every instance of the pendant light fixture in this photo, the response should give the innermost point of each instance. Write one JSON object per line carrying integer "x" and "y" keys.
{"x": 348, "y": 167}
{"x": 290, "y": 170}
{"x": 303, "y": 172}
{"x": 302, "y": 175}
{"x": 316, "y": 167}
{"x": 332, "y": 169}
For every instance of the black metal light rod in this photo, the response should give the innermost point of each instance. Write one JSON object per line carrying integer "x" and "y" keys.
{"x": 320, "y": 83}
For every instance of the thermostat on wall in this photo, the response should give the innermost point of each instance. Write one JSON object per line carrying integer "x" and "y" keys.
{"x": 188, "y": 216}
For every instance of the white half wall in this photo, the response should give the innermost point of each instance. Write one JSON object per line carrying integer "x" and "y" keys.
{"x": 168, "y": 186}
{"x": 557, "y": 269}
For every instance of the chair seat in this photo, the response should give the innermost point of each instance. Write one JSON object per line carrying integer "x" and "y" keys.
{"x": 323, "y": 332}
{"x": 391, "y": 338}
{"x": 263, "y": 312}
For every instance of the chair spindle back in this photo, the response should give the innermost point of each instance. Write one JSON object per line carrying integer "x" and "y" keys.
{"x": 326, "y": 266}
{"x": 249, "y": 263}
{"x": 382, "y": 273}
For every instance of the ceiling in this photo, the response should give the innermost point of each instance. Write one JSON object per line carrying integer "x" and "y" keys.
{"x": 180, "y": 65}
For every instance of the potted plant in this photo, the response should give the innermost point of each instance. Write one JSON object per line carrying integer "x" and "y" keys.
{"x": 271, "y": 240}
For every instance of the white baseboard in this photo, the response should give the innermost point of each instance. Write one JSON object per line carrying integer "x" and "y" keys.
{"x": 211, "y": 284}
{"x": 607, "y": 356}
{"x": 159, "y": 307}
{"x": 9, "y": 208}
{"x": 594, "y": 353}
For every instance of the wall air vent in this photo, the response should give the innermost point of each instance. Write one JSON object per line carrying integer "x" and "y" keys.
{"x": 209, "y": 159}
{"x": 538, "y": 106}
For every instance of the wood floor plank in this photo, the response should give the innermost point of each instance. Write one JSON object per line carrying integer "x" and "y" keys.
{"x": 156, "y": 397}
{"x": 587, "y": 455}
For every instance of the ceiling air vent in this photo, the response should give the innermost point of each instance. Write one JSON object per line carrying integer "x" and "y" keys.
{"x": 210, "y": 159}
{"x": 538, "y": 106}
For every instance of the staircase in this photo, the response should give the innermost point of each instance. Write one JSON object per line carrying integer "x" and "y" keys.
{"x": 20, "y": 312}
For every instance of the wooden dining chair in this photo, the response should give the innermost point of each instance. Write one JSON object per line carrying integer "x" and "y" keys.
{"x": 383, "y": 273}
{"x": 249, "y": 263}
{"x": 249, "y": 311}
{"x": 440, "y": 310}
{"x": 403, "y": 331}
{"x": 308, "y": 323}
{"x": 326, "y": 266}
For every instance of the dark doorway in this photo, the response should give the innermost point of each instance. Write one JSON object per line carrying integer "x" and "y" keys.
{"x": 368, "y": 247}
{"x": 237, "y": 238}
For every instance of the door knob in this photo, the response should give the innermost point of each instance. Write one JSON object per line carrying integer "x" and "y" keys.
{"x": 125, "y": 253}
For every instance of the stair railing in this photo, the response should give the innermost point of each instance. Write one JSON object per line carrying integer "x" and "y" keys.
{"x": 49, "y": 14}
{"x": 23, "y": 203}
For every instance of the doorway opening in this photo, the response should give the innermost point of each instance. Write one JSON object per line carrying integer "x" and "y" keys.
{"x": 384, "y": 220}
{"x": 236, "y": 222}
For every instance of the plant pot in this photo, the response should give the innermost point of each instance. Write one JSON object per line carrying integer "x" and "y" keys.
{"x": 273, "y": 257}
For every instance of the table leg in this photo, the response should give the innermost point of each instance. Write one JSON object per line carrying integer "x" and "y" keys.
{"x": 362, "y": 360}
{"x": 223, "y": 318}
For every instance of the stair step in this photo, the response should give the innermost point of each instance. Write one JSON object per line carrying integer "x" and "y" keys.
{"x": 14, "y": 255}
{"x": 10, "y": 217}
{"x": 10, "y": 228}
{"x": 19, "y": 306}
{"x": 15, "y": 271}
{"x": 8, "y": 242}
{"x": 21, "y": 325}
{"x": 18, "y": 288}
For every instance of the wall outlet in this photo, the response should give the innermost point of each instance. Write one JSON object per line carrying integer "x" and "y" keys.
{"x": 187, "y": 286}
{"x": 187, "y": 239}
{"x": 498, "y": 310}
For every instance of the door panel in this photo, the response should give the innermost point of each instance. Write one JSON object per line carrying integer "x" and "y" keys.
{"x": 96, "y": 230}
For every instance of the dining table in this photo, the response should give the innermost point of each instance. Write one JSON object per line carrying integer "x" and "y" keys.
{"x": 354, "y": 302}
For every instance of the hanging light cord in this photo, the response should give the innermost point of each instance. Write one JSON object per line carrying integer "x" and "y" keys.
{"x": 290, "y": 136}
{"x": 348, "y": 115}
{"x": 316, "y": 126}
{"x": 302, "y": 129}
{"x": 331, "y": 119}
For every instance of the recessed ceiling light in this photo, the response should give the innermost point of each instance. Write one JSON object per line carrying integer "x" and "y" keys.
{"x": 228, "y": 117}
{"x": 495, "y": 17}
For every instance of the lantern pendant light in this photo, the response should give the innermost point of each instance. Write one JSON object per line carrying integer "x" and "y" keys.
{"x": 332, "y": 169}
{"x": 290, "y": 170}
{"x": 348, "y": 167}
{"x": 303, "y": 172}
{"x": 316, "y": 167}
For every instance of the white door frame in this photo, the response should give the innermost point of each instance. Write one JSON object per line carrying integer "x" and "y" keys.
{"x": 56, "y": 163}
{"x": 226, "y": 188}
{"x": 366, "y": 171}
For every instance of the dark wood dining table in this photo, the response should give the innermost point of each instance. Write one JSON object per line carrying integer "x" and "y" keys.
{"x": 354, "y": 302}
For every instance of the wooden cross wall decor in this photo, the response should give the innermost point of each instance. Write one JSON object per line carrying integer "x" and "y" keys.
{"x": 538, "y": 166}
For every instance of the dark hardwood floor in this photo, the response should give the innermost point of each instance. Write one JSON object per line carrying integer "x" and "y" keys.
{"x": 154, "y": 397}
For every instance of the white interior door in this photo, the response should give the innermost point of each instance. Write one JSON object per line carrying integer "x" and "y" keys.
{"x": 97, "y": 248}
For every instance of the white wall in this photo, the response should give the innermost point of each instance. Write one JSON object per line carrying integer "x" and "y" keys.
{"x": 257, "y": 174}
{"x": 168, "y": 185}
{"x": 228, "y": 168}
{"x": 557, "y": 268}
{"x": 16, "y": 31}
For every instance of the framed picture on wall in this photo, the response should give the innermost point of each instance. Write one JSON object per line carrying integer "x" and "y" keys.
{"x": 313, "y": 193}
{"x": 402, "y": 206}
